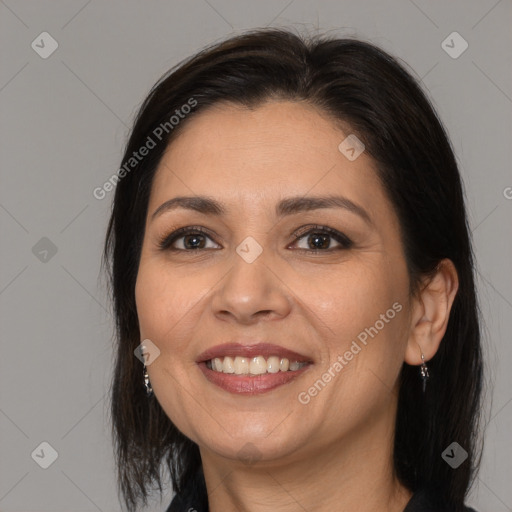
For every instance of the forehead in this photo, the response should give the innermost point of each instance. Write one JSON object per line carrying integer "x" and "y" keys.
{"x": 258, "y": 156}
{"x": 276, "y": 131}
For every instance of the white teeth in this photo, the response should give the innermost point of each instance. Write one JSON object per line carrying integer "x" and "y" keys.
{"x": 241, "y": 366}
{"x": 273, "y": 364}
{"x": 258, "y": 365}
{"x": 253, "y": 366}
{"x": 228, "y": 365}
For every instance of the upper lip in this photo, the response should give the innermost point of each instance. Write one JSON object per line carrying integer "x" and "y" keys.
{"x": 251, "y": 350}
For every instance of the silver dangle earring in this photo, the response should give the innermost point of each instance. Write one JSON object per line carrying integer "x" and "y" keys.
{"x": 149, "y": 389}
{"x": 424, "y": 372}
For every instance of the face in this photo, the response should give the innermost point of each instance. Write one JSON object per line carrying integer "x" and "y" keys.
{"x": 261, "y": 265}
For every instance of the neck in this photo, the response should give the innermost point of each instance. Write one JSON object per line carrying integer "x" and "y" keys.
{"x": 354, "y": 474}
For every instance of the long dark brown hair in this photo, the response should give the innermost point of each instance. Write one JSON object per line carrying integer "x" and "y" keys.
{"x": 361, "y": 86}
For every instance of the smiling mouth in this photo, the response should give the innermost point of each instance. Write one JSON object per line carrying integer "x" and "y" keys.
{"x": 251, "y": 376}
{"x": 250, "y": 369}
{"x": 253, "y": 366}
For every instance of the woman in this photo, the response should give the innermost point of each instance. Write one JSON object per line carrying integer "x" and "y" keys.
{"x": 292, "y": 279}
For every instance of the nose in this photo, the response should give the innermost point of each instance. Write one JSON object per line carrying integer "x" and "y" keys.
{"x": 250, "y": 292}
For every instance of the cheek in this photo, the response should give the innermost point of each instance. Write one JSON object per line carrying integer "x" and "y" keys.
{"x": 164, "y": 314}
{"x": 160, "y": 305}
{"x": 169, "y": 305}
{"x": 150, "y": 301}
{"x": 353, "y": 297}
{"x": 374, "y": 317}
{"x": 362, "y": 310}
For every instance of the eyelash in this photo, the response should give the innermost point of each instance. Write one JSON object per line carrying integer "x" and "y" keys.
{"x": 165, "y": 242}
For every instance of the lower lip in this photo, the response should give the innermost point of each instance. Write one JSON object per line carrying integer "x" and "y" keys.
{"x": 245, "y": 385}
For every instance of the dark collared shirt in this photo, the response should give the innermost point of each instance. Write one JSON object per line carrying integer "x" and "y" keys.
{"x": 194, "y": 499}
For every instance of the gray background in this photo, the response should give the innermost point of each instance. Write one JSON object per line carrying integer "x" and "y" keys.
{"x": 63, "y": 125}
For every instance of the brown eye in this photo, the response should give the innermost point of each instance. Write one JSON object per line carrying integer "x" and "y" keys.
{"x": 189, "y": 238}
{"x": 319, "y": 239}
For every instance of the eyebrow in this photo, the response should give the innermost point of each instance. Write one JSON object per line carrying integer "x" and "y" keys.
{"x": 288, "y": 206}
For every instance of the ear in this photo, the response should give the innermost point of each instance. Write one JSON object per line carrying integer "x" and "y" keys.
{"x": 430, "y": 313}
